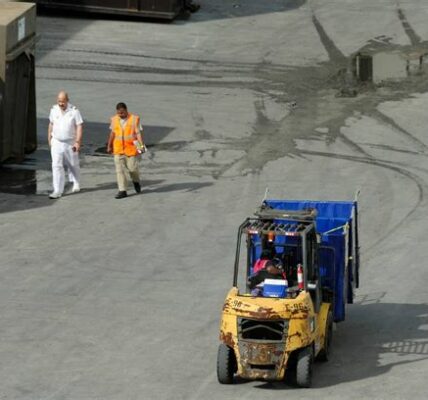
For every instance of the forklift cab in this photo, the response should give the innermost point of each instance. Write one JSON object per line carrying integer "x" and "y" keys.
{"x": 292, "y": 241}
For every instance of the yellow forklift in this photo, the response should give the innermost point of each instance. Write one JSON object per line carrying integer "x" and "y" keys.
{"x": 278, "y": 317}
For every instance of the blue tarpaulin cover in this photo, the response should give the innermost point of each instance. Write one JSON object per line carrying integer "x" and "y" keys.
{"x": 333, "y": 222}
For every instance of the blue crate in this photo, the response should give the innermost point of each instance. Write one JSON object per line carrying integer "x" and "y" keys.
{"x": 275, "y": 288}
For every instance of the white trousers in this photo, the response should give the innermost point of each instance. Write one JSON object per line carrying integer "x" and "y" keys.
{"x": 63, "y": 156}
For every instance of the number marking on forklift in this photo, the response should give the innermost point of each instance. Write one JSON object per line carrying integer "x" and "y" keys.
{"x": 237, "y": 303}
{"x": 296, "y": 307}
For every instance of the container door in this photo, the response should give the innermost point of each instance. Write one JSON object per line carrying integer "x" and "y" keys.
{"x": 17, "y": 97}
{"x": 31, "y": 136}
{"x": 3, "y": 154}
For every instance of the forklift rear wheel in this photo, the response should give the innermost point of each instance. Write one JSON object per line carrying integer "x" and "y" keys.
{"x": 324, "y": 354}
{"x": 226, "y": 364}
{"x": 304, "y": 367}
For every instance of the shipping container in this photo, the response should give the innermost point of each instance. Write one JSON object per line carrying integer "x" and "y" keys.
{"x": 165, "y": 9}
{"x": 18, "y": 128}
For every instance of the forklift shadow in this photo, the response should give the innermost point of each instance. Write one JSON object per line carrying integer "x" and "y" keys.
{"x": 374, "y": 338}
{"x": 372, "y": 333}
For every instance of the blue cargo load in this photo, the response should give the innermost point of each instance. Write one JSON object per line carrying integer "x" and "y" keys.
{"x": 338, "y": 257}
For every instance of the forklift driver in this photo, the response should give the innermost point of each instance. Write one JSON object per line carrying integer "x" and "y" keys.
{"x": 268, "y": 252}
{"x": 266, "y": 256}
{"x": 272, "y": 269}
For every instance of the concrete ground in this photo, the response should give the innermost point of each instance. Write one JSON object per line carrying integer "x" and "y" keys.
{"x": 107, "y": 299}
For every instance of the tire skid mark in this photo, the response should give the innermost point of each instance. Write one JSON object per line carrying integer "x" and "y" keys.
{"x": 415, "y": 39}
{"x": 115, "y": 67}
{"x": 419, "y": 182}
{"x": 147, "y": 82}
{"x": 240, "y": 66}
{"x": 334, "y": 54}
{"x": 392, "y": 148}
{"x": 385, "y": 120}
{"x": 353, "y": 145}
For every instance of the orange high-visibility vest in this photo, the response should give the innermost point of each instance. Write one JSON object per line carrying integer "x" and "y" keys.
{"x": 123, "y": 142}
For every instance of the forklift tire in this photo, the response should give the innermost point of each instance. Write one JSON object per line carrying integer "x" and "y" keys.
{"x": 324, "y": 354}
{"x": 226, "y": 364}
{"x": 304, "y": 367}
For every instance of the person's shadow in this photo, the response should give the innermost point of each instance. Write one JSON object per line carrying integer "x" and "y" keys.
{"x": 151, "y": 186}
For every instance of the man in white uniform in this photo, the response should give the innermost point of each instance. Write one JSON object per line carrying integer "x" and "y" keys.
{"x": 64, "y": 138}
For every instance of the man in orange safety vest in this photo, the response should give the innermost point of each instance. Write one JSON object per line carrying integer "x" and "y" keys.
{"x": 126, "y": 144}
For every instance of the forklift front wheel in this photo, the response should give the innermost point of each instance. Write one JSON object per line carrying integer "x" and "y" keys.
{"x": 226, "y": 364}
{"x": 304, "y": 367}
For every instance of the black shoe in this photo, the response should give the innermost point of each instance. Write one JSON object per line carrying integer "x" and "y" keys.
{"x": 120, "y": 195}
{"x": 137, "y": 187}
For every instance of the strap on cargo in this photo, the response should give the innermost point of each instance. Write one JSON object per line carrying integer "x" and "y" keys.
{"x": 335, "y": 229}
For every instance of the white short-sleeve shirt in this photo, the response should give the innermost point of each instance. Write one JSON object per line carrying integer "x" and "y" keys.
{"x": 64, "y": 124}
